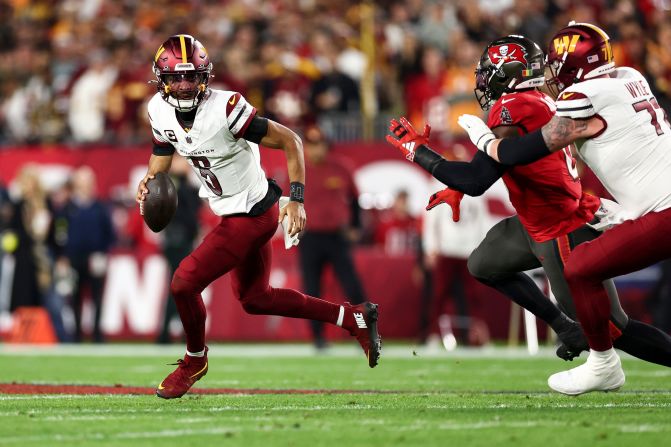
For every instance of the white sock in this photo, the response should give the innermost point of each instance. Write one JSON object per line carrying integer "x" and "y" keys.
{"x": 341, "y": 316}
{"x": 602, "y": 355}
{"x": 602, "y": 360}
{"x": 196, "y": 354}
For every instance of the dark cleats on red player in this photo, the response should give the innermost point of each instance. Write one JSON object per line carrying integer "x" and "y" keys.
{"x": 189, "y": 371}
{"x": 365, "y": 331}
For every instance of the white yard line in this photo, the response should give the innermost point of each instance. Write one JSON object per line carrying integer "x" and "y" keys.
{"x": 267, "y": 350}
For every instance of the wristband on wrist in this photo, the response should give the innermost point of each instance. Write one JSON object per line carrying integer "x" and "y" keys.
{"x": 296, "y": 192}
{"x": 485, "y": 146}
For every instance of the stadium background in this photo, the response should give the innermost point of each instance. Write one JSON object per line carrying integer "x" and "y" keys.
{"x": 74, "y": 91}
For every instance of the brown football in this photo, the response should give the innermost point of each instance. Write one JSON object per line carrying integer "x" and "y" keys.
{"x": 160, "y": 202}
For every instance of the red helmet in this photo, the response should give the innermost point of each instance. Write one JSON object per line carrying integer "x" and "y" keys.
{"x": 576, "y": 53}
{"x": 182, "y": 58}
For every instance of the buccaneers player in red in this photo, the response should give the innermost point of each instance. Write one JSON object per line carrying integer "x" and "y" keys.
{"x": 552, "y": 210}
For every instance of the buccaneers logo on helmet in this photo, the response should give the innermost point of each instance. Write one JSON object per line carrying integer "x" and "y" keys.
{"x": 508, "y": 64}
{"x": 510, "y": 52}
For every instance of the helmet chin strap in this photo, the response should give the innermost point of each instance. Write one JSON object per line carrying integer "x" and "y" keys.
{"x": 183, "y": 105}
{"x": 561, "y": 64}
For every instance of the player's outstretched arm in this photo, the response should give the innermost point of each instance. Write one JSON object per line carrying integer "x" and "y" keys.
{"x": 157, "y": 163}
{"x": 472, "y": 178}
{"x": 281, "y": 137}
{"x": 555, "y": 135}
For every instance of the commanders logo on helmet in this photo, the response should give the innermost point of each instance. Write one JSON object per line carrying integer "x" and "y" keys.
{"x": 511, "y": 63}
{"x": 576, "y": 53}
{"x": 182, "y": 57}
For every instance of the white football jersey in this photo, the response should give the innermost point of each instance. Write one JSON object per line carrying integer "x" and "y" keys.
{"x": 229, "y": 167}
{"x": 632, "y": 156}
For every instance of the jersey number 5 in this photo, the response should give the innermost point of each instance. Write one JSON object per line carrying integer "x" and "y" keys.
{"x": 652, "y": 106}
{"x": 203, "y": 165}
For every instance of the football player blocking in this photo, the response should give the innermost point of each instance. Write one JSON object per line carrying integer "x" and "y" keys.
{"x": 624, "y": 137}
{"x": 552, "y": 209}
{"x": 218, "y": 132}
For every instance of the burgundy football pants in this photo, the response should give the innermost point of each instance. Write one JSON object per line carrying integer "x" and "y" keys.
{"x": 240, "y": 245}
{"x": 626, "y": 248}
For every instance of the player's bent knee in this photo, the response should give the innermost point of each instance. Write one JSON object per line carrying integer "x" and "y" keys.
{"x": 181, "y": 288}
{"x": 575, "y": 270}
{"x": 256, "y": 304}
{"x": 477, "y": 267}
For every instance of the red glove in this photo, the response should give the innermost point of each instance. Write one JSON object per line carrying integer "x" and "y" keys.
{"x": 406, "y": 138}
{"x": 449, "y": 196}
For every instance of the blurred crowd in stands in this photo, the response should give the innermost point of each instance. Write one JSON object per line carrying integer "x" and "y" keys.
{"x": 76, "y": 71}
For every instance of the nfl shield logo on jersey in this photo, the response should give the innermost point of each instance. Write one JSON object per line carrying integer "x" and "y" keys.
{"x": 188, "y": 139}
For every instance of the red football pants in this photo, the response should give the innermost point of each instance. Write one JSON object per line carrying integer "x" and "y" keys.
{"x": 626, "y": 248}
{"x": 240, "y": 245}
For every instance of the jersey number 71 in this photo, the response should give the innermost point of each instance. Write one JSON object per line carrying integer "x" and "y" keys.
{"x": 651, "y": 105}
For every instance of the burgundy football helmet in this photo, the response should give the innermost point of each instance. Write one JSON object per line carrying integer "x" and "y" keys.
{"x": 509, "y": 64}
{"x": 576, "y": 53}
{"x": 183, "y": 70}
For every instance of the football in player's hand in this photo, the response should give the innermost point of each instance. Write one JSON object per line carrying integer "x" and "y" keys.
{"x": 160, "y": 202}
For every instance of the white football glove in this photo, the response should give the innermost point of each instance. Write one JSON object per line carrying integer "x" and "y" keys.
{"x": 477, "y": 130}
{"x": 289, "y": 241}
{"x": 608, "y": 215}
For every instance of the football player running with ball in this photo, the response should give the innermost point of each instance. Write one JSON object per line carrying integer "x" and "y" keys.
{"x": 218, "y": 132}
{"x": 624, "y": 137}
{"x": 547, "y": 195}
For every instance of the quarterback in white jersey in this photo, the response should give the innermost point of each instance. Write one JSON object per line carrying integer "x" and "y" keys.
{"x": 218, "y": 132}
{"x": 624, "y": 137}
{"x": 229, "y": 167}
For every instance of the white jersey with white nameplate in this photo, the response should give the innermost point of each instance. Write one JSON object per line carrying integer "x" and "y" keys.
{"x": 228, "y": 166}
{"x": 632, "y": 156}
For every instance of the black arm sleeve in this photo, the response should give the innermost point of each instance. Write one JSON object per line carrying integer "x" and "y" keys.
{"x": 523, "y": 150}
{"x": 163, "y": 149}
{"x": 257, "y": 129}
{"x": 472, "y": 178}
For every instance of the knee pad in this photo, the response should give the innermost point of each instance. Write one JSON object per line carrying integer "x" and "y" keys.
{"x": 181, "y": 288}
{"x": 574, "y": 270}
{"x": 479, "y": 270}
{"x": 475, "y": 267}
{"x": 256, "y": 304}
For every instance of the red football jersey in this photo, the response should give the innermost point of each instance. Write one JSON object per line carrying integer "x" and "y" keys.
{"x": 547, "y": 193}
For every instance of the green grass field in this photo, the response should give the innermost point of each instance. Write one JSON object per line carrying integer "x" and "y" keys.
{"x": 473, "y": 398}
